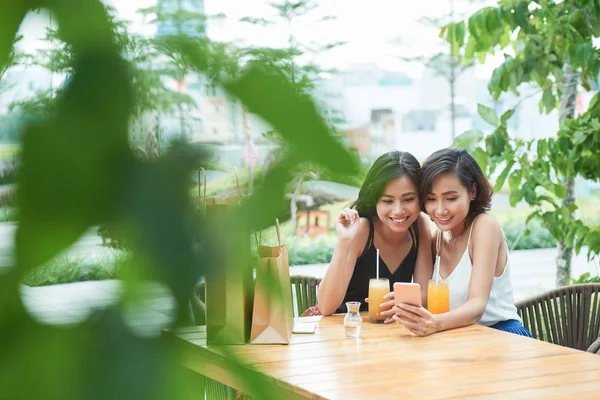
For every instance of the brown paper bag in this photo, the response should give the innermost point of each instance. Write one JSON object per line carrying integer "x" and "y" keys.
{"x": 272, "y": 316}
{"x": 229, "y": 286}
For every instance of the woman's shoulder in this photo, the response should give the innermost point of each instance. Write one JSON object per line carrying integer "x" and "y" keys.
{"x": 488, "y": 225}
{"x": 424, "y": 223}
{"x": 485, "y": 221}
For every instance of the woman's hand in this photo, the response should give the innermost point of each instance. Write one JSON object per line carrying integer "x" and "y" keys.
{"x": 416, "y": 319}
{"x": 347, "y": 223}
{"x": 387, "y": 307}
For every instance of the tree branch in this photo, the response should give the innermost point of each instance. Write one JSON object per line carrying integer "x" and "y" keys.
{"x": 530, "y": 95}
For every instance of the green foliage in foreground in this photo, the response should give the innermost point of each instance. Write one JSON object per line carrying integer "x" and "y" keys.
{"x": 78, "y": 171}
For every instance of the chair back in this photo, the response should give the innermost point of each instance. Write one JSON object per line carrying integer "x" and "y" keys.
{"x": 304, "y": 292}
{"x": 567, "y": 316}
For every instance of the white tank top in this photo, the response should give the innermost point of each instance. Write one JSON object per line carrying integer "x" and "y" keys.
{"x": 500, "y": 306}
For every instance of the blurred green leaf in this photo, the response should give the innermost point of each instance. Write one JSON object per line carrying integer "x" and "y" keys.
{"x": 529, "y": 193}
{"x": 468, "y": 140}
{"x": 502, "y": 177}
{"x": 507, "y": 115}
{"x": 514, "y": 180}
{"x": 560, "y": 191}
{"x": 482, "y": 158}
{"x": 488, "y": 114}
{"x": 515, "y": 197}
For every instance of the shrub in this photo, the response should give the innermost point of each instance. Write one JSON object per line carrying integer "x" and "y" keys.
{"x": 311, "y": 251}
{"x": 68, "y": 269}
{"x": 537, "y": 237}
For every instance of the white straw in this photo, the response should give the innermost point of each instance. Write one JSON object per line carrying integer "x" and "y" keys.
{"x": 377, "y": 265}
{"x": 437, "y": 275}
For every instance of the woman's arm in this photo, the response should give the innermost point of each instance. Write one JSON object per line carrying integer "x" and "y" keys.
{"x": 424, "y": 264}
{"x": 485, "y": 242}
{"x": 335, "y": 283}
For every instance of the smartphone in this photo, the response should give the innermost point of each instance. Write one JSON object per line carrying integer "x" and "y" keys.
{"x": 408, "y": 293}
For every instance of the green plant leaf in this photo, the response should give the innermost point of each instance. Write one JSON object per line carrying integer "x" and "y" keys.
{"x": 560, "y": 191}
{"x": 502, "y": 177}
{"x": 514, "y": 180}
{"x": 515, "y": 197}
{"x": 482, "y": 158}
{"x": 548, "y": 199}
{"x": 529, "y": 193}
{"x": 507, "y": 115}
{"x": 548, "y": 100}
{"x": 542, "y": 148}
{"x": 468, "y": 140}
{"x": 488, "y": 114}
{"x": 496, "y": 143}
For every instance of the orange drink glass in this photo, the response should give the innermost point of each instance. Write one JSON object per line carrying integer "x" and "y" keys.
{"x": 378, "y": 288}
{"x": 438, "y": 297}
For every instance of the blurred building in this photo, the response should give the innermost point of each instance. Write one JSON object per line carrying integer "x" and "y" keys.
{"x": 183, "y": 9}
{"x": 393, "y": 111}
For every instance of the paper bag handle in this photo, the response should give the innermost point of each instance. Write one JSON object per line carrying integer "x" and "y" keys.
{"x": 258, "y": 236}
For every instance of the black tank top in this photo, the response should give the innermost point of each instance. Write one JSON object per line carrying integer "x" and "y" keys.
{"x": 358, "y": 289}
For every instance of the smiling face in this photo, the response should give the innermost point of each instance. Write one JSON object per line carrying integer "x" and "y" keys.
{"x": 448, "y": 203}
{"x": 398, "y": 206}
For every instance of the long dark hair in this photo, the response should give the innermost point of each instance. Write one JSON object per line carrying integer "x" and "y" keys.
{"x": 464, "y": 166}
{"x": 387, "y": 167}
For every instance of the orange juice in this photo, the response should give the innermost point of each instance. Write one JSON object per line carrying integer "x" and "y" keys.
{"x": 378, "y": 288}
{"x": 438, "y": 297}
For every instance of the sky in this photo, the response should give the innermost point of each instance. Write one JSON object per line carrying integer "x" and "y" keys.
{"x": 370, "y": 28}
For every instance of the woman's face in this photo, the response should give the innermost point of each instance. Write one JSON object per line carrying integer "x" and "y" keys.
{"x": 398, "y": 206}
{"x": 448, "y": 202}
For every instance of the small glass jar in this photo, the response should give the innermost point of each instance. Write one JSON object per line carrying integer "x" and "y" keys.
{"x": 353, "y": 320}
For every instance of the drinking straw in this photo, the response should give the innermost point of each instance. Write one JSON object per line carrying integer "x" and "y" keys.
{"x": 437, "y": 260}
{"x": 377, "y": 265}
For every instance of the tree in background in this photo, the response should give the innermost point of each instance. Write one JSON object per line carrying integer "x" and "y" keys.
{"x": 148, "y": 76}
{"x": 173, "y": 19}
{"x": 14, "y": 58}
{"x": 548, "y": 44}
{"x": 9, "y": 123}
{"x": 297, "y": 61}
{"x": 445, "y": 63}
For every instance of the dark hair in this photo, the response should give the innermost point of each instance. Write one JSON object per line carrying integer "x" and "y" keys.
{"x": 461, "y": 163}
{"x": 387, "y": 167}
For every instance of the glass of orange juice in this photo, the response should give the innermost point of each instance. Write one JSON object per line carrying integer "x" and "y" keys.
{"x": 378, "y": 288}
{"x": 438, "y": 296}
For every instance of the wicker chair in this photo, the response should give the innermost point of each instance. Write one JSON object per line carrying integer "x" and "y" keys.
{"x": 306, "y": 292}
{"x": 567, "y": 316}
{"x": 595, "y": 347}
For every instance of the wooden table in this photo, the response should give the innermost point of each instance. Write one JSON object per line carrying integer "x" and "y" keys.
{"x": 388, "y": 362}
